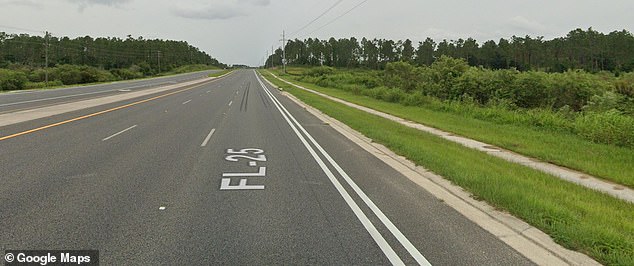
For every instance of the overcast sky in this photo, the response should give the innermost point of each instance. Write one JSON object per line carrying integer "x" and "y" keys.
{"x": 241, "y": 31}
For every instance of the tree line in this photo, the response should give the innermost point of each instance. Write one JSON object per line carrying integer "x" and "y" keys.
{"x": 589, "y": 50}
{"x": 153, "y": 55}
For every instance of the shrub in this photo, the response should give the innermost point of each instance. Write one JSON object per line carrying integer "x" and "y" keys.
{"x": 605, "y": 102}
{"x": 531, "y": 89}
{"x": 71, "y": 74}
{"x": 574, "y": 88}
{"x": 482, "y": 85}
{"x": 444, "y": 72}
{"x": 319, "y": 71}
{"x": 122, "y": 73}
{"x": 415, "y": 99}
{"x": 625, "y": 85}
{"x": 12, "y": 80}
{"x": 68, "y": 74}
{"x": 401, "y": 75}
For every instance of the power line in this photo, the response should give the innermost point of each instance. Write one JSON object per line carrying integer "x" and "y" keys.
{"x": 21, "y": 29}
{"x": 335, "y": 19}
{"x": 329, "y": 22}
{"x": 315, "y": 19}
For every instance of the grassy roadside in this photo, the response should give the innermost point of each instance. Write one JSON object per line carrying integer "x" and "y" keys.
{"x": 184, "y": 70}
{"x": 219, "y": 73}
{"x": 575, "y": 217}
{"x": 605, "y": 161}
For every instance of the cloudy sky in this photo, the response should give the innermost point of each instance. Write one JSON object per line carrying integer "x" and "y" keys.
{"x": 241, "y": 31}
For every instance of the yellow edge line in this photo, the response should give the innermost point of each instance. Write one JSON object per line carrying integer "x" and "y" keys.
{"x": 99, "y": 113}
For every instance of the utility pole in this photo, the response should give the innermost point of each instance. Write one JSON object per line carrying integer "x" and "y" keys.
{"x": 158, "y": 54}
{"x": 46, "y": 44}
{"x": 284, "y": 50}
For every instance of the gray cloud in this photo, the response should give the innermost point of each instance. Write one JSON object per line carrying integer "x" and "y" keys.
{"x": 210, "y": 13}
{"x": 24, "y": 3}
{"x": 256, "y": 2}
{"x": 85, "y": 3}
{"x": 524, "y": 25}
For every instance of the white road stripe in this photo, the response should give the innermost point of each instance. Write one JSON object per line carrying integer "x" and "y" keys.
{"x": 374, "y": 233}
{"x": 186, "y": 102}
{"x": 126, "y": 89}
{"x": 54, "y": 98}
{"x": 386, "y": 221}
{"x": 230, "y": 103}
{"x": 208, "y": 137}
{"x": 119, "y": 133}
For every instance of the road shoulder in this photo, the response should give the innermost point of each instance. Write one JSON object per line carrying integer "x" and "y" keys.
{"x": 524, "y": 238}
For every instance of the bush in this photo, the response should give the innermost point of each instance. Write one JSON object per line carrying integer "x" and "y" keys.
{"x": 319, "y": 71}
{"x": 601, "y": 103}
{"x": 68, "y": 74}
{"x": 444, "y": 72}
{"x": 483, "y": 85}
{"x": 401, "y": 75}
{"x": 126, "y": 73}
{"x": 574, "y": 88}
{"x": 12, "y": 80}
{"x": 71, "y": 74}
{"x": 531, "y": 89}
{"x": 625, "y": 85}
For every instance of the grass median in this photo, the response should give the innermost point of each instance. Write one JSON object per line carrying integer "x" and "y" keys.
{"x": 605, "y": 161}
{"x": 219, "y": 73}
{"x": 575, "y": 217}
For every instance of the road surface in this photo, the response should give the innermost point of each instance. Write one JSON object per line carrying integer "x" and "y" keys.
{"x": 228, "y": 172}
{"x": 22, "y": 100}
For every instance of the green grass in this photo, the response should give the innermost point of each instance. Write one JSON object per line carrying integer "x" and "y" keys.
{"x": 190, "y": 68}
{"x": 605, "y": 161}
{"x": 220, "y": 73}
{"x": 575, "y": 217}
{"x": 56, "y": 84}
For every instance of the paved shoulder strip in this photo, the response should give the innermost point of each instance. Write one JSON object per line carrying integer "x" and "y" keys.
{"x": 378, "y": 238}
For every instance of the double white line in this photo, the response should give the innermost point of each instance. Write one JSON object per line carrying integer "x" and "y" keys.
{"x": 374, "y": 233}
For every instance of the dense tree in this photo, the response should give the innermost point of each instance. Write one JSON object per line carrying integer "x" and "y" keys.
{"x": 106, "y": 53}
{"x": 408, "y": 51}
{"x": 580, "y": 49}
{"x": 425, "y": 52}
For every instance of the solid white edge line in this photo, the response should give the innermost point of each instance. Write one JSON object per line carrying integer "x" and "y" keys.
{"x": 365, "y": 221}
{"x": 386, "y": 221}
{"x": 119, "y": 133}
{"x": 208, "y": 137}
{"x": 55, "y": 98}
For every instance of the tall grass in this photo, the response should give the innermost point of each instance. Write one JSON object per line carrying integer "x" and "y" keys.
{"x": 563, "y": 137}
{"x": 595, "y": 107}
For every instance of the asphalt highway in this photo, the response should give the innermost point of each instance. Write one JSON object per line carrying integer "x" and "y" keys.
{"x": 227, "y": 172}
{"x": 23, "y": 100}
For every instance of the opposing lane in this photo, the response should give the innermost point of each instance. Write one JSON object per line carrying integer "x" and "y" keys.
{"x": 84, "y": 192}
{"x": 21, "y": 100}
